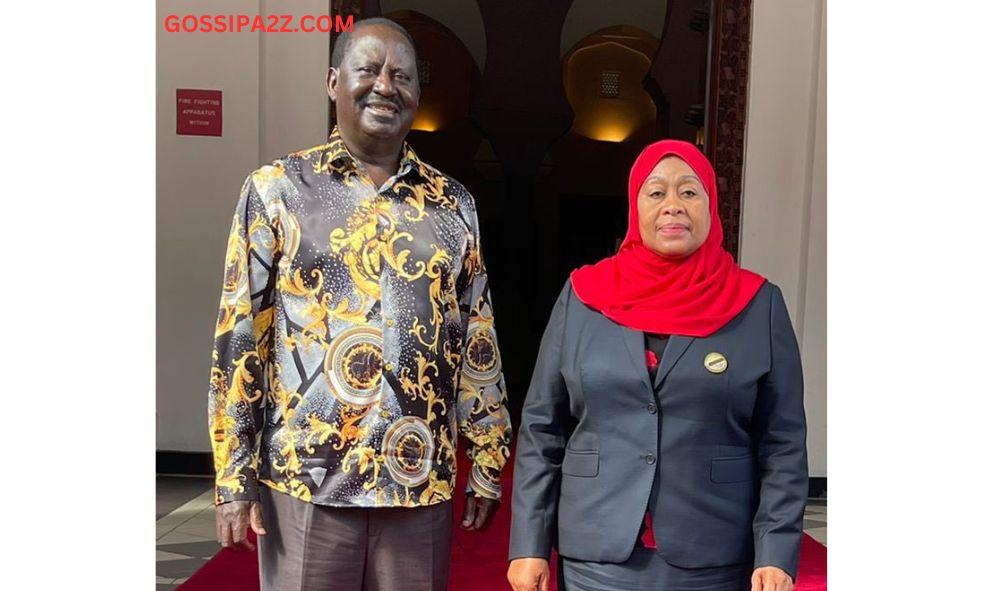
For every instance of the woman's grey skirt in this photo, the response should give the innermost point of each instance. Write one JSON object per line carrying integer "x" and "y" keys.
{"x": 645, "y": 570}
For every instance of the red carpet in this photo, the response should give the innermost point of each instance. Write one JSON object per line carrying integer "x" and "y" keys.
{"x": 479, "y": 560}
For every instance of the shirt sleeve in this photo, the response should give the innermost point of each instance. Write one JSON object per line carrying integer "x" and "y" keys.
{"x": 242, "y": 349}
{"x": 482, "y": 407}
{"x": 779, "y": 431}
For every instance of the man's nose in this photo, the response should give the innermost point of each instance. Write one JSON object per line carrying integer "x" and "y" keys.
{"x": 382, "y": 85}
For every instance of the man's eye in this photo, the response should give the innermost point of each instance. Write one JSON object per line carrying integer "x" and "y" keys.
{"x": 403, "y": 77}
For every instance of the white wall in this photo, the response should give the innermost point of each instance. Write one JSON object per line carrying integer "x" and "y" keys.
{"x": 784, "y": 185}
{"x": 294, "y": 69}
{"x": 198, "y": 179}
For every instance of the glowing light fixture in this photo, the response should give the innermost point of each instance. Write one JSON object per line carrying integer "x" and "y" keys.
{"x": 603, "y": 83}
{"x": 610, "y": 132}
{"x": 425, "y": 122}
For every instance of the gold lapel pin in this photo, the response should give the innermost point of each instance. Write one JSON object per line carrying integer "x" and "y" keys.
{"x": 715, "y": 362}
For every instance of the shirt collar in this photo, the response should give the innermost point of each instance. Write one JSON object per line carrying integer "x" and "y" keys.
{"x": 338, "y": 157}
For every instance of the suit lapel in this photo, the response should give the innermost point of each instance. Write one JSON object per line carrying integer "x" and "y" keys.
{"x": 635, "y": 342}
{"x": 675, "y": 349}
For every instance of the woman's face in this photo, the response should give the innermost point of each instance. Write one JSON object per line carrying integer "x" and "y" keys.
{"x": 673, "y": 209}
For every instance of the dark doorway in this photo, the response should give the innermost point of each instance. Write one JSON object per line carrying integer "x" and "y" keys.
{"x": 542, "y": 128}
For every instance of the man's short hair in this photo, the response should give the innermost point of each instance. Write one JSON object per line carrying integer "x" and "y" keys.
{"x": 345, "y": 38}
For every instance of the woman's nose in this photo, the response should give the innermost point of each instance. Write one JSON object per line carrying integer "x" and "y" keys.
{"x": 672, "y": 205}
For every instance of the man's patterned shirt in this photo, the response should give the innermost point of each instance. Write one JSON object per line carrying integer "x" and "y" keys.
{"x": 355, "y": 338}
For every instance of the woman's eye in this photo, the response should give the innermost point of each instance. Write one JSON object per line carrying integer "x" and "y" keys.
{"x": 656, "y": 194}
{"x": 689, "y": 193}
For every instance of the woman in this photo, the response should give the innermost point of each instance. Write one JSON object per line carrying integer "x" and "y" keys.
{"x": 667, "y": 391}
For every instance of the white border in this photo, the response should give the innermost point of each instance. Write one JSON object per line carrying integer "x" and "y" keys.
{"x": 915, "y": 323}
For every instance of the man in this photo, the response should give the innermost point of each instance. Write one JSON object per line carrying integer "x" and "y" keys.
{"x": 355, "y": 338}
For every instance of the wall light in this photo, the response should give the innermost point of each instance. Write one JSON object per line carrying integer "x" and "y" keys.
{"x": 424, "y": 122}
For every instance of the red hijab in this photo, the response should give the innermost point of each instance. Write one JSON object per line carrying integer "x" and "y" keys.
{"x": 643, "y": 290}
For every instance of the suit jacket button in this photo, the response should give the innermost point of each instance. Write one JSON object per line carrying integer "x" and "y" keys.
{"x": 649, "y": 459}
{"x": 651, "y": 407}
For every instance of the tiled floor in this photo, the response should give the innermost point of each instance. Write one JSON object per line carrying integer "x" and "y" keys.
{"x": 186, "y": 530}
{"x": 186, "y": 533}
{"x": 175, "y": 491}
{"x": 814, "y": 520}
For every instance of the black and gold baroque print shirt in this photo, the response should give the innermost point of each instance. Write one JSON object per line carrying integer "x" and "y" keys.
{"x": 355, "y": 338}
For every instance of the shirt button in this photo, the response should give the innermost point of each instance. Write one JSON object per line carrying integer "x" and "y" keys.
{"x": 388, "y": 366}
{"x": 390, "y": 322}
{"x": 651, "y": 407}
{"x": 649, "y": 459}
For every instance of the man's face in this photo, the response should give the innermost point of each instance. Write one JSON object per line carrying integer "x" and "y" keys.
{"x": 375, "y": 88}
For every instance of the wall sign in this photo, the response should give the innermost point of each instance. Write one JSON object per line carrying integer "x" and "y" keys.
{"x": 200, "y": 112}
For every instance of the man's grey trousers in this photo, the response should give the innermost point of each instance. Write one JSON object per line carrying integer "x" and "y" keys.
{"x": 311, "y": 547}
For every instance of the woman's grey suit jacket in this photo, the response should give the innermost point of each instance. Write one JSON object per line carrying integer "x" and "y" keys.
{"x": 719, "y": 458}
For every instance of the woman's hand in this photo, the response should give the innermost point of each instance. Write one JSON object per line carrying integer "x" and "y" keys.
{"x": 765, "y": 578}
{"x": 529, "y": 574}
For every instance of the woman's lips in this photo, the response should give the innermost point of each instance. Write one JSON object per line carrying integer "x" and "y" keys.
{"x": 673, "y": 230}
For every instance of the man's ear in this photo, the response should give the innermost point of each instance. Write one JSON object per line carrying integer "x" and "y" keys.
{"x": 332, "y": 83}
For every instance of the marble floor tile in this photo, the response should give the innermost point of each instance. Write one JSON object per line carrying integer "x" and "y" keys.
{"x": 177, "y": 537}
{"x": 818, "y": 534}
{"x": 173, "y": 569}
{"x": 175, "y": 491}
{"x": 205, "y": 549}
{"x": 165, "y": 555}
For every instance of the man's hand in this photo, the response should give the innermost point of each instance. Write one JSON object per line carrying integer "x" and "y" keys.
{"x": 478, "y": 513}
{"x": 529, "y": 574}
{"x": 232, "y": 520}
{"x": 771, "y": 578}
